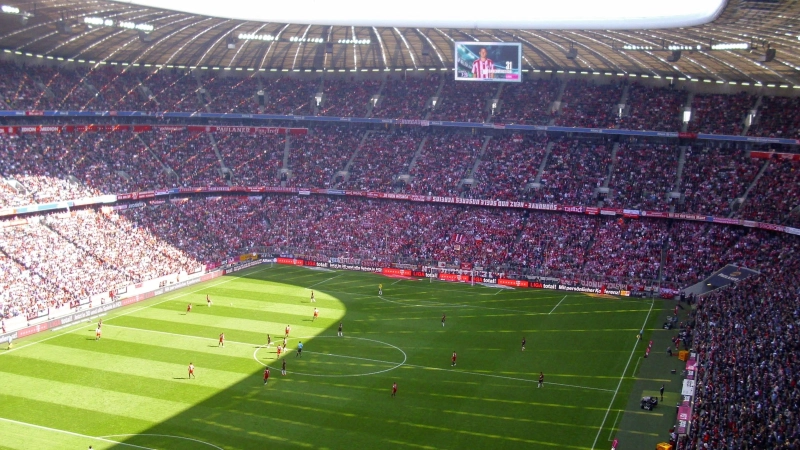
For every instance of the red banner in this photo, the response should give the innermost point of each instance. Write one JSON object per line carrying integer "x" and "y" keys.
{"x": 515, "y": 283}
{"x": 290, "y": 261}
{"x": 768, "y": 155}
{"x": 396, "y": 272}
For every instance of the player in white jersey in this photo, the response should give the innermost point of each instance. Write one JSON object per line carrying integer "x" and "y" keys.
{"x": 483, "y": 67}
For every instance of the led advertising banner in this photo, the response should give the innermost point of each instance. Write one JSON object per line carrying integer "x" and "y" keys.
{"x": 489, "y": 61}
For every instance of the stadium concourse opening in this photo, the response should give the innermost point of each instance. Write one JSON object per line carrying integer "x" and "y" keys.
{"x": 723, "y": 277}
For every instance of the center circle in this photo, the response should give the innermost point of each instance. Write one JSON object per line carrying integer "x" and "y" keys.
{"x": 309, "y": 351}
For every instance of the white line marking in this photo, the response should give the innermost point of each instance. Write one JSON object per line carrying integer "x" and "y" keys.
{"x": 396, "y": 282}
{"x": 73, "y": 434}
{"x": 396, "y": 365}
{"x": 499, "y": 291}
{"x": 260, "y": 346}
{"x": 323, "y": 281}
{"x": 611, "y": 432}
{"x": 124, "y": 314}
{"x": 622, "y": 377}
{"x": 554, "y": 308}
{"x": 165, "y": 435}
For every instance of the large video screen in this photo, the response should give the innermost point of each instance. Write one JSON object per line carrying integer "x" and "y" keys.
{"x": 488, "y": 61}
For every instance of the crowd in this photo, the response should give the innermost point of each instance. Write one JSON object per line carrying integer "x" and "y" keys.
{"x": 643, "y": 175}
{"x": 381, "y": 158}
{"x": 464, "y": 102}
{"x": 231, "y": 95}
{"x": 508, "y": 166}
{"x": 720, "y": 113}
{"x": 653, "y": 108}
{"x": 290, "y": 96}
{"x": 527, "y": 103}
{"x": 317, "y": 156}
{"x": 342, "y": 98}
{"x": 574, "y": 171}
{"x": 586, "y": 104}
{"x": 445, "y": 160}
{"x": 777, "y": 117}
{"x": 746, "y": 337}
{"x": 776, "y": 196}
{"x": 254, "y": 160}
{"x": 49, "y": 167}
{"x": 190, "y": 155}
{"x": 407, "y": 98}
{"x": 713, "y": 177}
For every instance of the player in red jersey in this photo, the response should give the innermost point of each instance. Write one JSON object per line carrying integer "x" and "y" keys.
{"x": 394, "y": 389}
{"x": 189, "y": 308}
{"x": 541, "y": 380}
{"x": 191, "y": 370}
{"x": 278, "y": 351}
{"x": 454, "y": 359}
{"x": 483, "y": 67}
{"x": 266, "y": 375}
{"x": 288, "y": 329}
{"x": 316, "y": 314}
{"x": 221, "y": 340}
{"x": 97, "y": 333}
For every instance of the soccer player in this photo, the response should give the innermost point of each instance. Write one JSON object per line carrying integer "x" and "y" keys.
{"x": 394, "y": 389}
{"x": 9, "y": 342}
{"x": 191, "y": 370}
{"x": 283, "y": 368}
{"x": 523, "y": 343}
{"x": 266, "y": 375}
{"x": 312, "y": 297}
{"x": 299, "y": 349}
{"x": 541, "y": 380}
{"x": 288, "y": 329}
{"x": 284, "y": 343}
{"x": 454, "y": 359}
{"x": 278, "y": 351}
{"x": 97, "y": 333}
{"x": 340, "y": 329}
{"x": 189, "y": 308}
{"x": 380, "y": 289}
{"x": 221, "y": 340}
{"x": 483, "y": 67}
{"x": 269, "y": 340}
{"x": 316, "y": 314}
{"x": 443, "y": 318}
{"x": 208, "y": 301}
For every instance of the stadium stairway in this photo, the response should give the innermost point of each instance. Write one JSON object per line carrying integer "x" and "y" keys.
{"x": 737, "y": 203}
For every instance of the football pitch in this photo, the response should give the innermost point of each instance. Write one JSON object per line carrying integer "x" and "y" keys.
{"x": 130, "y": 389}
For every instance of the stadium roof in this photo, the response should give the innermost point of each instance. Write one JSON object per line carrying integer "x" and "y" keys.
{"x": 104, "y": 31}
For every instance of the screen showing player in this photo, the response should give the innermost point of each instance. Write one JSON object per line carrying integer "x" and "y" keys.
{"x": 488, "y": 61}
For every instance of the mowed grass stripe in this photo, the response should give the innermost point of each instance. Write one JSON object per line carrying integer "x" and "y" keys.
{"x": 227, "y": 318}
{"x": 223, "y": 366}
{"x": 244, "y": 331}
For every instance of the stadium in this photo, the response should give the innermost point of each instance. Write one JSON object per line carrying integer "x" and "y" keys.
{"x": 322, "y": 226}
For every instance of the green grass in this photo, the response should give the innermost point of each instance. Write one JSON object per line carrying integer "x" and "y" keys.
{"x": 63, "y": 389}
